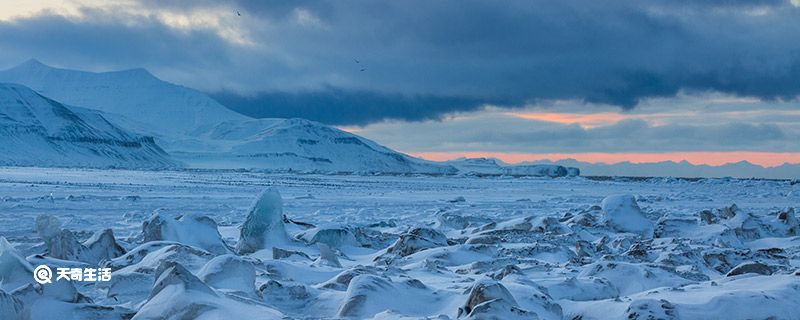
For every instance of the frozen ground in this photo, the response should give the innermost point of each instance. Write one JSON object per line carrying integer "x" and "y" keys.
{"x": 406, "y": 247}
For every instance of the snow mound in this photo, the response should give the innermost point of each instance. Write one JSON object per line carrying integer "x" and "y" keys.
{"x": 630, "y": 278}
{"x": 622, "y": 213}
{"x": 103, "y": 246}
{"x": 179, "y": 294}
{"x": 171, "y": 273}
{"x": 327, "y": 257}
{"x": 650, "y": 309}
{"x": 786, "y": 223}
{"x": 415, "y": 240}
{"x": 285, "y": 295}
{"x": 230, "y": 273}
{"x": 368, "y": 295}
{"x": 15, "y": 271}
{"x": 334, "y": 237}
{"x": 451, "y": 220}
{"x": 194, "y": 230}
{"x": 750, "y": 267}
{"x": 342, "y": 280}
{"x": 134, "y": 272}
{"x": 581, "y": 289}
{"x": 62, "y": 243}
{"x": 491, "y": 300}
{"x": 754, "y": 297}
{"x": 12, "y": 308}
{"x": 263, "y": 227}
{"x": 278, "y": 253}
{"x": 147, "y": 257}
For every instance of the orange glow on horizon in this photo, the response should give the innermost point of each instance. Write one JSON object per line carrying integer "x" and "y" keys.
{"x": 765, "y": 159}
{"x": 584, "y": 120}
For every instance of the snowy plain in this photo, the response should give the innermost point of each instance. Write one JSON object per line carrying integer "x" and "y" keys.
{"x": 410, "y": 247}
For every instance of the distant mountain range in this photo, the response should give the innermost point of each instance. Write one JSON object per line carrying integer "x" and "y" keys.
{"x": 742, "y": 169}
{"x": 193, "y": 129}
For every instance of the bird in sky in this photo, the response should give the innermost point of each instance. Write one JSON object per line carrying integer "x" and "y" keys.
{"x": 364, "y": 69}
{"x": 356, "y": 60}
{"x": 238, "y": 13}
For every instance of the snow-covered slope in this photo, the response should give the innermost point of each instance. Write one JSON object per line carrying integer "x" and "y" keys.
{"x": 164, "y": 108}
{"x": 38, "y": 131}
{"x": 295, "y": 144}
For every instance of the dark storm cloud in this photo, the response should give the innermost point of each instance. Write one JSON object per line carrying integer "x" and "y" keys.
{"x": 340, "y": 107}
{"x": 424, "y": 59}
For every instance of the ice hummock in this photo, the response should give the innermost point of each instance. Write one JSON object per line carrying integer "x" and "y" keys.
{"x": 367, "y": 295}
{"x": 491, "y": 300}
{"x": 193, "y": 229}
{"x": 327, "y": 257}
{"x": 15, "y": 271}
{"x": 263, "y": 227}
{"x": 230, "y": 273}
{"x": 12, "y": 308}
{"x": 63, "y": 244}
{"x": 622, "y": 213}
{"x": 179, "y": 294}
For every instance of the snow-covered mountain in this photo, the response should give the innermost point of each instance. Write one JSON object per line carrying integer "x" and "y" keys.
{"x": 152, "y": 105}
{"x": 295, "y": 144}
{"x": 202, "y": 133}
{"x": 38, "y": 131}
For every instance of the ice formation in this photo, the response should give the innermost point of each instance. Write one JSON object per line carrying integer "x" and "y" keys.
{"x": 327, "y": 257}
{"x": 672, "y": 250}
{"x": 263, "y": 227}
{"x": 622, "y": 213}
{"x": 196, "y": 230}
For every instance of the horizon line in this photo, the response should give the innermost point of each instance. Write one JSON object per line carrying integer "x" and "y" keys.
{"x": 710, "y": 158}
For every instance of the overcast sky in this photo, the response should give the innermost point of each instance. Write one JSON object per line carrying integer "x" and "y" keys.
{"x": 446, "y": 78}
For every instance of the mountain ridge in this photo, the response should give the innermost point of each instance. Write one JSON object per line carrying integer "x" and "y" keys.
{"x": 135, "y": 94}
{"x": 38, "y": 130}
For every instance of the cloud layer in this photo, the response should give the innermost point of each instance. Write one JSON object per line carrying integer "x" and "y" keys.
{"x": 709, "y": 123}
{"x": 426, "y": 59}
